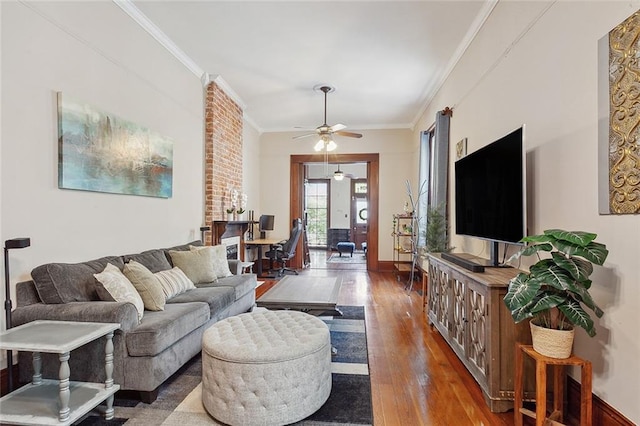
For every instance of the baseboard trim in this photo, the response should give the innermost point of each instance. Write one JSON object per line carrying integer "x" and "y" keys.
{"x": 603, "y": 413}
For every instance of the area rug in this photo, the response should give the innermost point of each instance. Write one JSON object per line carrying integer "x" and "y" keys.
{"x": 346, "y": 258}
{"x": 179, "y": 399}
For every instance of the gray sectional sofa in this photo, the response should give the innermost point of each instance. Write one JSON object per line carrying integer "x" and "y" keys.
{"x": 146, "y": 352}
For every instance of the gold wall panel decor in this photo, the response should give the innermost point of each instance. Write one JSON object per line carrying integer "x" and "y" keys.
{"x": 624, "y": 117}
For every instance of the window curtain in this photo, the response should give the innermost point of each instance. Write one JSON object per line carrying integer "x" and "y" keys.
{"x": 440, "y": 161}
{"x": 433, "y": 169}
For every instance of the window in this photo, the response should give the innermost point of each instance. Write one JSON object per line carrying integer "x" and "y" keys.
{"x": 316, "y": 202}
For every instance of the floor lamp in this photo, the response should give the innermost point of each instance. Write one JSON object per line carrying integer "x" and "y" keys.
{"x": 16, "y": 243}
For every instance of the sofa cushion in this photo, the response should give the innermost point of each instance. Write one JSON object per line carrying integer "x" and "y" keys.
{"x": 153, "y": 260}
{"x": 147, "y": 285}
{"x": 161, "y": 329}
{"x": 218, "y": 298}
{"x": 70, "y": 282}
{"x": 181, "y": 247}
{"x": 120, "y": 288}
{"x": 218, "y": 258}
{"x": 241, "y": 284}
{"x": 173, "y": 282}
{"x": 195, "y": 264}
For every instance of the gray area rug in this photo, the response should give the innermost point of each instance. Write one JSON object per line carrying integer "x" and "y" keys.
{"x": 179, "y": 399}
{"x": 346, "y": 258}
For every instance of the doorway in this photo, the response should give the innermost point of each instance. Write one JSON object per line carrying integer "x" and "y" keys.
{"x": 297, "y": 197}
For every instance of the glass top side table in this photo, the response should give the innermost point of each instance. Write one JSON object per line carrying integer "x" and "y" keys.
{"x": 35, "y": 403}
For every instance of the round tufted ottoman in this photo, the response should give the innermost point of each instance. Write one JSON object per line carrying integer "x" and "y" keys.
{"x": 266, "y": 367}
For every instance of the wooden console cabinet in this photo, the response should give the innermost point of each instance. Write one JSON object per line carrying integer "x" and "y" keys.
{"x": 468, "y": 311}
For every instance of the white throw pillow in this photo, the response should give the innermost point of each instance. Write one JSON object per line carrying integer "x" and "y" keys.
{"x": 173, "y": 282}
{"x": 195, "y": 264}
{"x": 120, "y": 288}
{"x": 218, "y": 258}
{"x": 147, "y": 285}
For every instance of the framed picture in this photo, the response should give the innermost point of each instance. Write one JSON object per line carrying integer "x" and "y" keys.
{"x": 461, "y": 148}
{"x": 99, "y": 151}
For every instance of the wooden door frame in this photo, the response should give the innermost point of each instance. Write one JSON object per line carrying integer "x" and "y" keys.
{"x": 373, "y": 177}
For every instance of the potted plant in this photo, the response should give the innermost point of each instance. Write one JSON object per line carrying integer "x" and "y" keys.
{"x": 240, "y": 212}
{"x": 230, "y": 211}
{"x": 555, "y": 291}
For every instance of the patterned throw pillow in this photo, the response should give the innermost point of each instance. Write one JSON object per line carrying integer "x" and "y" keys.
{"x": 195, "y": 264}
{"x": 218, "y": 257}
{"x": 147, "y": 285}
{"x": 173, "y": 282}
{"x": 120, "y": 288}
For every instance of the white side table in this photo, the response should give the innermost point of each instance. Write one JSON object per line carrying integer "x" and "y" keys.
{"x": 246, "y": 267}
{"x": 33, "y": 404}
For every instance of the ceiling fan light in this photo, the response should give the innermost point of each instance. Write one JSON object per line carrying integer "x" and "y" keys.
{"x": 319, "y": 145}
{"x": 331, "y": 145}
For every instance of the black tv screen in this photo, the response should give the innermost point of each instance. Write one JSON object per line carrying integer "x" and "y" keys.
{"x": 490, "y": 191}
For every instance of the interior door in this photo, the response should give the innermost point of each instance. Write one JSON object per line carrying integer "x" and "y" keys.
{"x": 359, "y": 211}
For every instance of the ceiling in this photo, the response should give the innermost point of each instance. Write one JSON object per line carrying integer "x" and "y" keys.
{"x": 385, "y": 59}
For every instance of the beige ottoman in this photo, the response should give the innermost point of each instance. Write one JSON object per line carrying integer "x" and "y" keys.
{"x": 266, "y": 368}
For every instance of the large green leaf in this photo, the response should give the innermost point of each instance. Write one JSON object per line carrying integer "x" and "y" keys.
{"x": 520, "y": 292}
{"x": 578, "y": 316}
{"x": 521, "y": 314}
{"x": 578, "y": 238}
{"x": 578, "y": 268}
{"x": 593, "y": 252}
{"x": 529, "y": 250}
{"x": 537, "y": 239}
{"x": 546, "y": 302}
{"x": 582, "y": 295}
{"x": 553, "y": 276}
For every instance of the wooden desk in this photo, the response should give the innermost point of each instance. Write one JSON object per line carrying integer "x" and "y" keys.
{"x": 259, "y": 243}
{"x": 559, "y": 378}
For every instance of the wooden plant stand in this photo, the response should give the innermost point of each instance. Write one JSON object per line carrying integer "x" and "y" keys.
{"x": 556, "y": 416}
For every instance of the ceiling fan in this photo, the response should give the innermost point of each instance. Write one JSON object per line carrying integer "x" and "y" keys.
{"x": 325, "y": 131}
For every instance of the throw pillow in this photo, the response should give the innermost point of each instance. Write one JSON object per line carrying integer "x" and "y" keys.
{"x": 218, "y": 257}
{"x": 173, "y": 282}
{"x": 147, "y": 285}
{"x": 195, "y": 264}
{"x": 120, "y": 288}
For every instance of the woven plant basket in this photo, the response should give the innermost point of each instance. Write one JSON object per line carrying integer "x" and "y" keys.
{"x": 552, "y": 343}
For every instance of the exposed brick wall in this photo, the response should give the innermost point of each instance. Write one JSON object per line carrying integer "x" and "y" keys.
{"x": 223, "y": 153}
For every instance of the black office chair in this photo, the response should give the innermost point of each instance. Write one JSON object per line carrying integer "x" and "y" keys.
{"x": 286, "y": 250}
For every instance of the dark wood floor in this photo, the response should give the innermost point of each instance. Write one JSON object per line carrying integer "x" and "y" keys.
{"x": 416, "y": 379}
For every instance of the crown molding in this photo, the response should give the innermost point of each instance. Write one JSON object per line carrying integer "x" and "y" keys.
{"x": 136, "y": 14}
{"x": 474, "y": 28}
{"x": 222, "y": 84}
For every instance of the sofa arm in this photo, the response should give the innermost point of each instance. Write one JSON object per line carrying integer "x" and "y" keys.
{"x": 121, "y": 312}
{"x": 234, "y": 266}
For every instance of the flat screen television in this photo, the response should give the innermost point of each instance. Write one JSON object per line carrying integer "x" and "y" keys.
{"x": 490, "y": 186}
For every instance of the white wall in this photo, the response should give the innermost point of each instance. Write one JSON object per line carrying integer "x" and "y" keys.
{"x": 251, "y": 166}
{"x": 548, "y": 80}
{"x": 397, "y": 164}
{"x": 93, "y": 52}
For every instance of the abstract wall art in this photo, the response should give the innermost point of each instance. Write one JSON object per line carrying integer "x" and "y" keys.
{"x": 101, "y": 152}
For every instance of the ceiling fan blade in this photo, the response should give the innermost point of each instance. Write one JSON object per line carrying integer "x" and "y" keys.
{"x": 349, "y": 134}
{"x": 305, "y": 135}
{"x": 337, "y": 127}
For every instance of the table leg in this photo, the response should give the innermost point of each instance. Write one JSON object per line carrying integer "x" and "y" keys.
{"x": 517, "y": 403}
{"x": 65, "y": 393}
{"x": 37, "y": 368}
{"x": 558, "y": 391}
{"x": 259, "y": 263}
{"x": 586, "y": 413}
{"x": 541, "y": 392}
{"x": 108, "y": 367}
